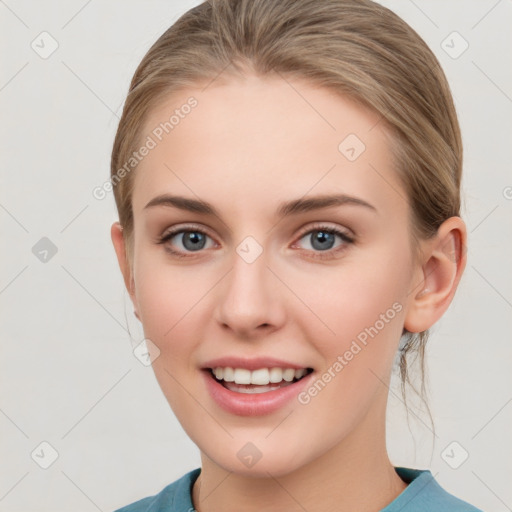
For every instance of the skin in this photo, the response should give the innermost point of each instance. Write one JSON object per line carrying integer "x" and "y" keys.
{"x": 250, "y": 144}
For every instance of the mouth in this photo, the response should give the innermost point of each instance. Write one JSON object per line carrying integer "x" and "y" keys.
{"x": 262, "y": 380}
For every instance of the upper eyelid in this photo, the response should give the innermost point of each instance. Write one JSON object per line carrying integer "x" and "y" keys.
{"x": 317, "y": 226}
{"x": 306, "y": 229}
{"x": 187, "y": 227}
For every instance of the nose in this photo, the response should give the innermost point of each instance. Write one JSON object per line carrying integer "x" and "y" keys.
{"x": 250, "y": 301}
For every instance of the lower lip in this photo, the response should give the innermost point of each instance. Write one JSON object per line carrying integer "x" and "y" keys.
{"x": 254, "y": 404}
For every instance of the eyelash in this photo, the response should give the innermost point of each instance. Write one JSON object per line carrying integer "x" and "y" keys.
{"x": 329, "y": 254}
{"x": 184, "y": 229}
{"x": 347, "y": 240}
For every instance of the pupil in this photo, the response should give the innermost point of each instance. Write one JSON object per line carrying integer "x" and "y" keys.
{"x": 196, "y": 239}
{"x": 324, "y": 238}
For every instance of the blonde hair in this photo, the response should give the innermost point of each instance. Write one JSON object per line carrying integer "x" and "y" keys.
{"x": 359, "y": 48}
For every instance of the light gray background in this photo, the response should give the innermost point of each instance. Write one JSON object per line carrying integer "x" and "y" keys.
{"x": 68, "y": 375}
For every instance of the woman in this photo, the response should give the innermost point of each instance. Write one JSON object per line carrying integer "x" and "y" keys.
{"x": 287, "y": 176}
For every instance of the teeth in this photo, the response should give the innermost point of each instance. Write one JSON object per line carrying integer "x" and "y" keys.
{"x": 276, "y": 375}
{"x": 289, "y": 374}
{"x": 228, "y": 375}
{"x": 260, "y": 377}
{"x": 300, "y": 373}
{"x": 255, "y": 389}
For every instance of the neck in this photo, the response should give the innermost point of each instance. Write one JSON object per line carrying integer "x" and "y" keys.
{"x": 355, "y": 474}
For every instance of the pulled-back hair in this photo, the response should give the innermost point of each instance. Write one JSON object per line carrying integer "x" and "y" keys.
{"x": 358, "y": 48}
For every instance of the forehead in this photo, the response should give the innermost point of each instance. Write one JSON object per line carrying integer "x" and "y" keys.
{"x": 250, "y": 139}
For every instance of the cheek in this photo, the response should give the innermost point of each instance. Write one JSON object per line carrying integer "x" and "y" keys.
{"x": 173, "y": 303}
{"x": 165, "y": 292}
{"x": 169, "y": 301}
{"x": 352, "y": 297}
{"x": 367, "y": 300}
{"x": 363, "y": 307}
{"x": 161, "y": 303}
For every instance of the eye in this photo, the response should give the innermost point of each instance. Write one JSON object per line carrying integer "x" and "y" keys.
{"x": 321, "y": 239}
{"x": 189, "y": 239}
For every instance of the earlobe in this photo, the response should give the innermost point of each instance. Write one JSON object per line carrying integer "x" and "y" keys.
{"x": 116, "y": 233}
{"x": 444, "y": 260}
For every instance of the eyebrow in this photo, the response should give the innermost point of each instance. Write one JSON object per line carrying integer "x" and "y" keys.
{"x": 286, "y": 209}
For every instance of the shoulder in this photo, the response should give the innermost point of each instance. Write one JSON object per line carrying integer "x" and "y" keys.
{"x": 174, "y": 497}
{"x": 425, "y": 494}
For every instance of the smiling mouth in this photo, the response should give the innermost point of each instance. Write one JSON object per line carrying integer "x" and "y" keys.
{"x": 240, "y": 380}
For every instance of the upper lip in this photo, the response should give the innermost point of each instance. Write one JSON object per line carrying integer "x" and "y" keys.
{"x": 251, "y": 364}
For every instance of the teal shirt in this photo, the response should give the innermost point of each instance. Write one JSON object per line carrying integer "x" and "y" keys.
{"x": 423, "y": 494}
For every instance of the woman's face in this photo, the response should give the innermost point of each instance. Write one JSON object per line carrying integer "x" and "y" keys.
{"x": 265, "y": 276}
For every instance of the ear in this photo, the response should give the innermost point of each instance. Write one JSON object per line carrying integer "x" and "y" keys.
{"x": 116, "y": 233}
{"x": 442, "y": 265}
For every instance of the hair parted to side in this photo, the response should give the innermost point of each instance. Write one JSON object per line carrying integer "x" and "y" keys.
{"x": 358, "y": 48}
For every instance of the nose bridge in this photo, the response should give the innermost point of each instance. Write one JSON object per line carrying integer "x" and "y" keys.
{"x": 249, "y": 298}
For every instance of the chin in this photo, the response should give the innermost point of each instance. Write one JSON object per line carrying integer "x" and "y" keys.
{"x": 276, "y": 463}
